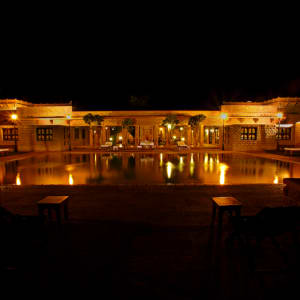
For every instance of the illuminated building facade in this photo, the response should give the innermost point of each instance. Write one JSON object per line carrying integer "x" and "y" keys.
{"x": 238, "y": 126}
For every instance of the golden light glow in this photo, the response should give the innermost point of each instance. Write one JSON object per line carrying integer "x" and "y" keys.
{"x": 69, "y": 117}
{"x": 174, "y": 137}
{"x": 205, "y": 162}
{"x": 169, "y": 169}
{"x": 223, "y": 168}
{"x": 181, "y": 128}
{"x": 110, "y": 138}
{"x": 160, "y": 129}
{"x": 71, "y": 181}
{"x": 169, "y": 126}
{"x": 183, "y": 139}
{"x": 192, "y": 158}
{"x": 181, "y": 164}
{"x": 211, "y": 164}
{"x": 192, "y": 165}
{"x": 275, "y": 181}
{"x": 120, "y": 138}
{"x": 279, "y": 115}
{"x": 161, "y": 159}
{"x": 18, "y": 179}
{"x": 14, "y": 117}
{"x": 223, "y": 116}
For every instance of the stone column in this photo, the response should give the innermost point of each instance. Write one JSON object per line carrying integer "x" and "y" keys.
{"x": 189, "y": 136}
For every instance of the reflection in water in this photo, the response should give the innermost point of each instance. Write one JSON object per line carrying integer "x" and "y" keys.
{"x": 71, "y": 181}
{"x": 169, "y": 166}
{"x": 18, "y": 179}
{"x": 181, "y": 164}
{"x": 141, "y": 168}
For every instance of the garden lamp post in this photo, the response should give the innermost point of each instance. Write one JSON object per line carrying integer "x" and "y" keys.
{"x": 223, "y": 117}
{"x": 14, "y": 118}
{"x": 69, "y": 132}
{"x": 279, "y": 116}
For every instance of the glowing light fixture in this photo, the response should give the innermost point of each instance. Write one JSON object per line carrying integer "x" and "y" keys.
{"x": 18, "y": 179}
{"x": 14, "y": 117}
{"x": 275, "y": 181}
{"x": 183, "y": 139}
{"x": 223, "y": 168}
{"x": 279, "y": 115}
{"x": 71, "y": 181}
{"x": 223, "y": 116}
{"x": 120, "y": 138}
{"x": 110, "y": 138}
{"x": 181, "y": 128}
{"x": 169, "y": 126}
{"x": 174, "y": 137}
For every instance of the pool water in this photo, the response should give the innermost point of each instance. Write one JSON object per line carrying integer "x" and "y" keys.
{"x": 141, "y": 168}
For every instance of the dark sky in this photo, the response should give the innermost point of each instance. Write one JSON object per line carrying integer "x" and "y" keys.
{"x": 99, "y": 64}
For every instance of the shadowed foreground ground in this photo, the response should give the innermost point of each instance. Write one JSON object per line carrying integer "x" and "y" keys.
{"x": 147, "y": 243}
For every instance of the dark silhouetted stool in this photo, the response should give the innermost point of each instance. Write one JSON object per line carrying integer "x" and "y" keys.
{"x": 55, "y": 203}
{"x": 229, "y": 204}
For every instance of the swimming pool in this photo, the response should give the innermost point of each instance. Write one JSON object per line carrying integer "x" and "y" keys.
{"x": 142, "y": 168}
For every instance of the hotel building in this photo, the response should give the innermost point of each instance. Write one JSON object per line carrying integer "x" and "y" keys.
{"x": 238, "y": 126}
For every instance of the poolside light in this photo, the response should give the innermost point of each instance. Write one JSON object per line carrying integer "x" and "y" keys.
{"x": 183, "y": 139}
{"x": 14, "y": 118}
{"x": 222, "y": 167}
{"x": 120, "y": 138}
{"x": 181, "y": 128}
{"x": 174, "y": 137}
{"x": 18, "y": 179}
{"x": 71, "y": 181}
{"x": 110, "y": 138}
{"x": 169, "y": 126}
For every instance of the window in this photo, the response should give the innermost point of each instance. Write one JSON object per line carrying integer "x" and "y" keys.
{"x": 283, "y": 133}
{"x": 248, "y": 133}
{"x": 10, "y": 134}
{"x": 76, "y": 133}
{"x": 44, "y": 134}
{"x": 83, "y": 133}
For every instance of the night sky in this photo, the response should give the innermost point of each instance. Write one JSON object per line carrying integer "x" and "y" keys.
{"x": 98, "y": 64}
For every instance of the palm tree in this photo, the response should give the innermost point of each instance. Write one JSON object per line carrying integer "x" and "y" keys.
{"x": 194, "y": 122}
{"x": 126, "y": 123}
{"x": 90, "y": 119}
{"x": 99, "y": 119}
{"x": 170, "y": 123}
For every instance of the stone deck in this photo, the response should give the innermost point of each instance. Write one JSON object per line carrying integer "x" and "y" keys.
{"x": 149, "y": 242}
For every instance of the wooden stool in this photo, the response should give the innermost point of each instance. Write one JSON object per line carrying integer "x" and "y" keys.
{"x": 229, "y": 204}
{"x": 55, "y": 203}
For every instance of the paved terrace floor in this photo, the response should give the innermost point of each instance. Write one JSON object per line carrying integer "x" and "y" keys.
{"x": 147, "y": 242}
